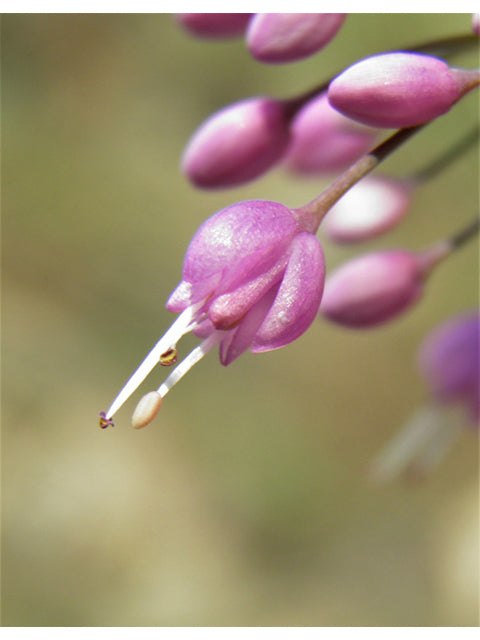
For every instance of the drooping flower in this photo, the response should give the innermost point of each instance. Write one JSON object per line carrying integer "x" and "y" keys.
{"x": 253, "y": 279}
{"x": 449, "y": 361}
{"x": 237, "y": 144}
{"x": 215, "y": 25}
{"x": 287, "y": 37}
{"x": 325, "y": 141}
{"x": 395, "y": 90}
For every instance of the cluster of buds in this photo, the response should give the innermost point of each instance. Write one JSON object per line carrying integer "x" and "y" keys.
{"x": 254, "y": 273}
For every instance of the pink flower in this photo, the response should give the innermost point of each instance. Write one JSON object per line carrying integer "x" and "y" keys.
{"x": 449, "y": 360}
{"x": 252, "y": 279}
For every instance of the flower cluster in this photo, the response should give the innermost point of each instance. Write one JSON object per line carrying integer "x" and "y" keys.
{"x": 254, "y": 274}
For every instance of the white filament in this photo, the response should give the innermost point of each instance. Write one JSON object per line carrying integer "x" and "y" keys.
{"x": 418, "y": 446}
{"x": 182, "y": 325}
{"x": 187, "y": 363}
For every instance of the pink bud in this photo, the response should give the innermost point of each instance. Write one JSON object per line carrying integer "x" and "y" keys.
{"x": 373, "y": 206}
{"x": 374, "y": 288}
{"x": 476, "y": 23}
{"x": 325, "y": 141}
{"x": 396, "y": 90}
{"x": 286, "y": 37}
{"x": 237, "y": 144}
{"x": 215, "y": 25}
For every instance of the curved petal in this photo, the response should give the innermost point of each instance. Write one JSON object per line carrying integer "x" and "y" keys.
{"x": 238, "y": 341}
{"x": 238, "y": 242}
{"x": 298, "y": 297}
{"x": 228, "y": 309}
{"x": 187, "y": 293}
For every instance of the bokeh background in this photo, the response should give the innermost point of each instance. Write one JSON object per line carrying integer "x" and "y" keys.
{"x": 247, "y": 502}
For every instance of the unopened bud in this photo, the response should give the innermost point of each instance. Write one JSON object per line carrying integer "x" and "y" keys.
{"x": 373, "y": 288}
{"x": 373, "y": 206}
{"x": 237, "y": 144}
{"x": 286, "y": 37}
{"x": 397, "y": 90}
{"x": 214, "y": 25}
{"x": 325, "y": 141}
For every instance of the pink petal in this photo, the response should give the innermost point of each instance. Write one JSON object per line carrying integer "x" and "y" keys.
{"x": 298, "y": 297}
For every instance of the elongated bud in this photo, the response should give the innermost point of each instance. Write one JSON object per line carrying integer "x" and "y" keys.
{"x": 373, "y": 206}
{"x": 146, "y": 410}
{"x": 237, "y": 144}
{"x": 325, "y": 141}
{"x": 287, "y": 37}
{"x": 374, "y": 288}
{"x": 215, "y": 25}
{"x": 397, "y": 90}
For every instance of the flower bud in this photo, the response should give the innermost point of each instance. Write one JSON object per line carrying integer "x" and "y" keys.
{"x": 476, "y": 23}
{"x": 214, "y": 25}
{"x": 237, "y": 144}
{"x": 396, "y": 90}
{"x": 449, "y": 360}
{"x": 374, "y": 288}
{"x": 373, "y": 206}
{"x": 323, "y": 140}
{"x": 287, "y": 37}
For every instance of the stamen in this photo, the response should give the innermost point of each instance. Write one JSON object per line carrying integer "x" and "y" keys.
{"x": 169, "y": 357}
{"x": 105, "y": 422}
{"x": 187, "y": 363}
{"x": 183, "y": 324}
{"x": 146, "y": 410}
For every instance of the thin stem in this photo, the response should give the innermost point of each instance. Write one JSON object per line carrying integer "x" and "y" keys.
{"x": 320, "y": 205}
{"x": 452, "y": 154}
{"x": 465, "y": 235}
{"x": 447, "y": 46}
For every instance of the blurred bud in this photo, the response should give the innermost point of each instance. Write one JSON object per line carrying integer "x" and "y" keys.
{"x": 396, "y": 90}
{"x": 373, "y": 206}
{"x": 374, "y": 288}
{"x": 325, "y": 141}
{"x": 237, "y": 144}
{"x": 215, "y": 25}
{"x": 287, "y": 37}
{"x": 450, "y": 359}
{"x": 476, "y": 23}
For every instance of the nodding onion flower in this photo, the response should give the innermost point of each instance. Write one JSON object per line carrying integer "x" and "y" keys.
{"x": 253, "y": 279}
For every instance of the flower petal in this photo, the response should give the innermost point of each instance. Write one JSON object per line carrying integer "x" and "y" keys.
{"x": 298, "y": 297}
{"x": 239, "y": 242}
{"x": 229, "y": 308}
{"x": 238, "y": 341}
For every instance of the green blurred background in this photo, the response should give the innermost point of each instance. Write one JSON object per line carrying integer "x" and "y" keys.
{"x": 246, "y": 503}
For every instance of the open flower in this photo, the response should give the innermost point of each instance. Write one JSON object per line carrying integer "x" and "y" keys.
{"x": 253, "y": 279}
